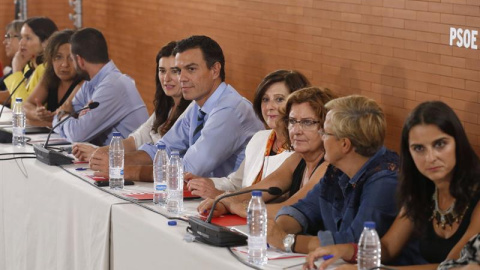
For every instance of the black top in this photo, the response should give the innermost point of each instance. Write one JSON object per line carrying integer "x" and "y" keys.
{"x": 52, "y": 99}
{"x": 297, "y": 176}
{"x": 435, "y": 249}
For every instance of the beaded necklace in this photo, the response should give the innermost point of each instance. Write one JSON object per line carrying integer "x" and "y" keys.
{"x": 447, "y": 217}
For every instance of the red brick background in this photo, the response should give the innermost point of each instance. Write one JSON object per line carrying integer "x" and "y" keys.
{"x": 395, "y": 51}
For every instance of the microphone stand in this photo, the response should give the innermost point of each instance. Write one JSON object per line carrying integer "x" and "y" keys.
{"x": 220, "y": 236}
{"x": 51, "y": 157}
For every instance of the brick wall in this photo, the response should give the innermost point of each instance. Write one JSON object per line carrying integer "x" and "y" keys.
{"x": 395, "y": 51}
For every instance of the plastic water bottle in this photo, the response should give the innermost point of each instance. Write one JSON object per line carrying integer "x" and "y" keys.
{"x": 369, "y": 247}
{"x": 257, "y": 229}
{"x": 160, "y": 166}
{"x": 18, "y": 123}
{"x": 116, "y": 154}
{"x": 175, "y": 184}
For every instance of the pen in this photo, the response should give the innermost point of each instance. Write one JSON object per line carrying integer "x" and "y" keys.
{"x": 327, "y": 257}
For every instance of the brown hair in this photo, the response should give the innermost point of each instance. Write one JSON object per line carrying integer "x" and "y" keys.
{"x": 316, "y": 97}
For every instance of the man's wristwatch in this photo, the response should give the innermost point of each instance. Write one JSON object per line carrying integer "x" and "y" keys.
{"x": 62, "y": 114}
{"x": 289, "y": 242}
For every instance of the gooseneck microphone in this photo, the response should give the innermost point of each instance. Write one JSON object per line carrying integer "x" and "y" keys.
{"x": 91, "y": 106}
{"x": 215, "y": 235}
{"x": 50, "y": 156}
{"x": 272, "y": 191}
{"x": 25, "y": 77}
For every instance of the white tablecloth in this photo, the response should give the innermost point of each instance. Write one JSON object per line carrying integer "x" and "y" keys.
{"x": 49, "y": 219}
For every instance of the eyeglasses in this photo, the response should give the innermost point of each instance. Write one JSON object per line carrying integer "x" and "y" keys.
{"x": 305, "y": 124}
{"x": 323, "y": 133}
{"x": 8, "y": 36}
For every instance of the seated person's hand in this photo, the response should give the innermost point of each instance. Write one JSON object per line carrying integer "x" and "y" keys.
{"x": 83, "y": 112}
{"x": 20, "y": 60}
{"x": 42, "y": 113}
{"x": 99, "y": 162}
{"x": 275, "y": 234}
{"x": 338, "y": 251}
{"x": 203, "y": 187}
{"x": 83, "y": 151}
{"x": 239, "y": 208}
{"x": 468, "y": 267}
{"x": 64, "y": 109}
{"x": 205, "y": 207}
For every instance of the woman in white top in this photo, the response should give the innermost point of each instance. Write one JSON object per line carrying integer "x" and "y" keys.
{"x": 267, "y": 149}
{"x": 169, "y": 105}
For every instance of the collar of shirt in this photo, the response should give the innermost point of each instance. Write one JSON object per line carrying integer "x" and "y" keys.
{"x": 211, "y": 102}
{"x": 104, "y": 71}
{"x": 344, "y": 178}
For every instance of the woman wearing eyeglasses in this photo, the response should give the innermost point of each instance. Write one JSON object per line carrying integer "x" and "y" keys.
{"x": 34, "y": 35}
{"x": 11, "y": 43}
{"x": 267, "y": 149}
{"x": 303, "y": 117}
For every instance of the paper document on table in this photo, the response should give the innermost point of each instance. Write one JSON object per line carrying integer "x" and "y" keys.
{"x": 272, "y": 253}
{"x": 41, "y": 138}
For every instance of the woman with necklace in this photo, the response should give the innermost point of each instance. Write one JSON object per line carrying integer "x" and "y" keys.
{"x": 441, "y": 170}
{"x": 267, "y": 149}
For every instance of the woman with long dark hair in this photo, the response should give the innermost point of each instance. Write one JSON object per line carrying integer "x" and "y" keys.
{"x": 59, "y": 83}
{"x": 439, "y": 190}
{"x": 34, "y": 35}
{"x": 169, "y": 105}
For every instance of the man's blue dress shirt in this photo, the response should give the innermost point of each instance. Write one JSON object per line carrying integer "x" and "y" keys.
{"x": 229, "y": 124}
{"x": 121, "y": 108}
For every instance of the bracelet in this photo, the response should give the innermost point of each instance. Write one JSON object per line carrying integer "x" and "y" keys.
{"x": 354, "y": 257}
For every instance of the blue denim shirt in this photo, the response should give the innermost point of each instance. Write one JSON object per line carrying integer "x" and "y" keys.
{"x": 338, "y": 206}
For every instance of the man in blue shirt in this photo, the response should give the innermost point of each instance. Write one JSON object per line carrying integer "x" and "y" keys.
{"x": 359, "y": 184}
{"x": 121, "y": 108}
{"x": 214, "y": 131}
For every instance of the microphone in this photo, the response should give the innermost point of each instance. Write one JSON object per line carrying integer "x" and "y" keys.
{"x": 91, "y": 106}
{"x": 51, "y": 157}
{"x": 272, "y": 191}
{"x": 221, "y": 236}
{"x": 25, "y": 76}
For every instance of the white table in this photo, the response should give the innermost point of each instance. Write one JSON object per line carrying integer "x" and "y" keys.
{"x": 143, "y": 240}
{"x": 49, "y": 219}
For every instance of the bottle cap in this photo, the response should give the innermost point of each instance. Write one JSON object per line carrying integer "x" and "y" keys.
{"x": 117, "y": 134}
{"x": 257, "y": 193}
{"x": 172, "y": 223}
{"x": 175, "y": 153}
{"x": 369, "y": 224}
{"x": 161, "y": 146}
{"x": 18, "y": 99}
